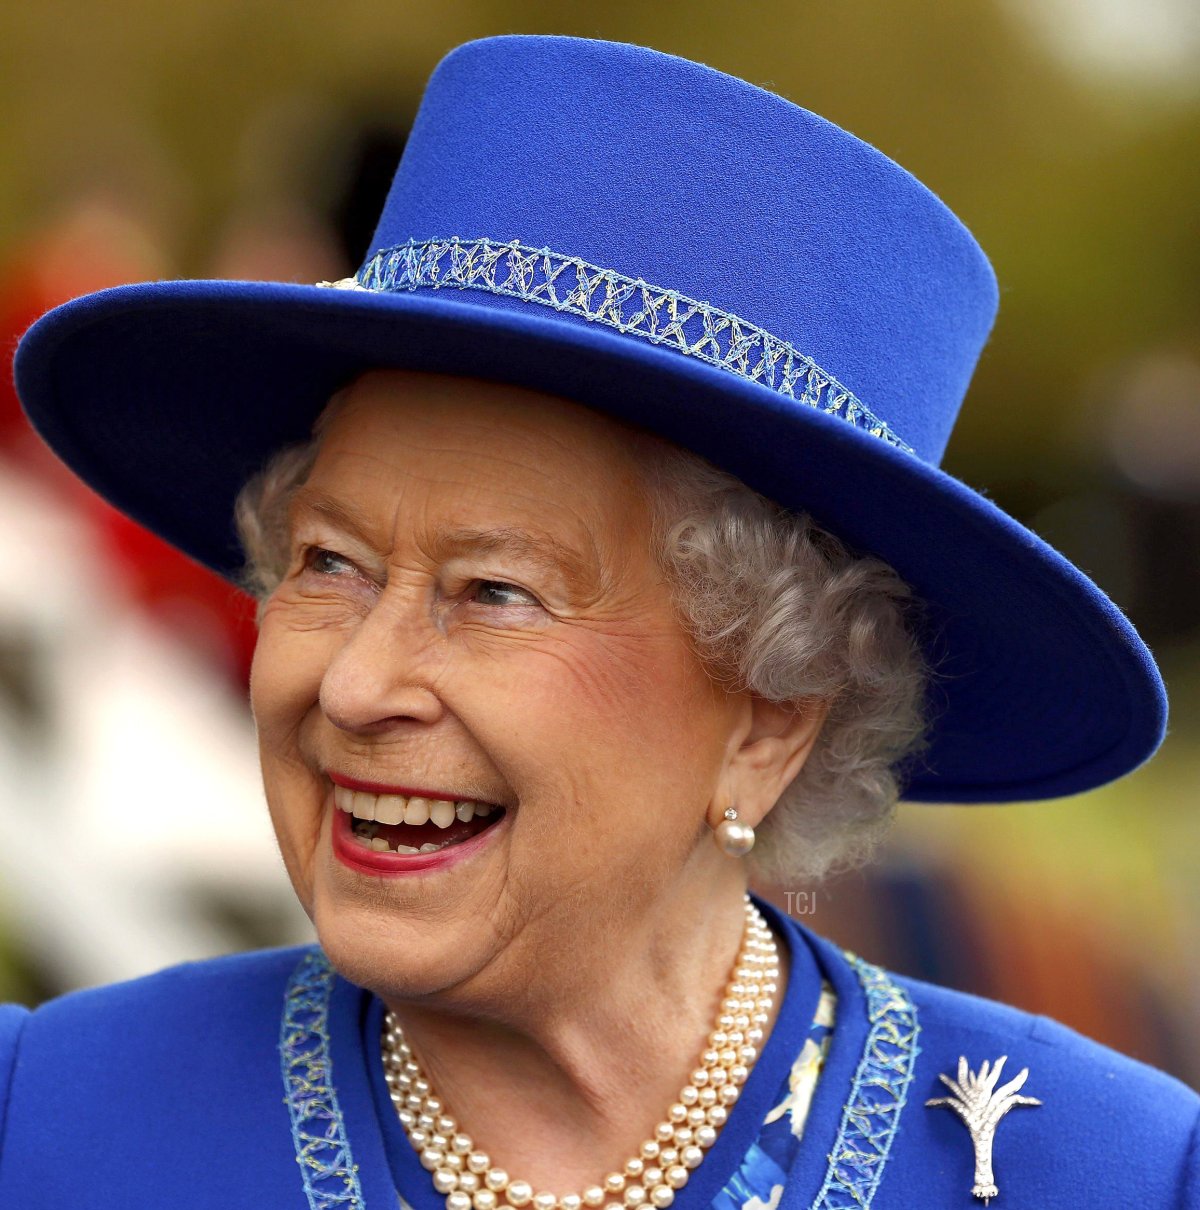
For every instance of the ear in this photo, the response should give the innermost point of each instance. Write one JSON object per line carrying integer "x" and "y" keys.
{"x": 765, "y": 753}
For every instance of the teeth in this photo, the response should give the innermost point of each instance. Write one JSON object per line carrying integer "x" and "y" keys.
{"x": 389, "y": 808}
{"x": 364, "y": 835}
{"x": 441, "y": 813}
{"x": 396, "y": 809}
{"x": 417, "y": 811}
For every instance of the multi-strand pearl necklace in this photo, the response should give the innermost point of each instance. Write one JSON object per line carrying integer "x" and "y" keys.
{"x": 469, "y": 1180}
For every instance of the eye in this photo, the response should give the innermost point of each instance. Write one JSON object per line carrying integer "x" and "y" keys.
{"x": 497, "y": 592}
{"x": 327, "y": 562}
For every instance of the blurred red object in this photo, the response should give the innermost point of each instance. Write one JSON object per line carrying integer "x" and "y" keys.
{"x": 96, "y": 246}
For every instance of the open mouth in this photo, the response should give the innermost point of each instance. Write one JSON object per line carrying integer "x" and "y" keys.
{"x": 392, "y": 823}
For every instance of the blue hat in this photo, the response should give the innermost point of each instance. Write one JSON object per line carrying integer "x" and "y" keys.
{"x": 676, "y": 248}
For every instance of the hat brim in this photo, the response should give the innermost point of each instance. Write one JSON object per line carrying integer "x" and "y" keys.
{"x": 166, "y": 396}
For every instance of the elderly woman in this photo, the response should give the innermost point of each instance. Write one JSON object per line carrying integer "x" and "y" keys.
{"x": 541, "y": 511}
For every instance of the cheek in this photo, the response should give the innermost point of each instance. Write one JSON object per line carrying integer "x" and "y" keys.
{"x": 285, "y": 675}
{"x": 600, "y": 723}
{"x": 285, "y": 680}
{"x": 644, "y": 690}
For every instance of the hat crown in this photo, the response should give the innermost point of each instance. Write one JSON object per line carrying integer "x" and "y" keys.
{"x": 672, "y": 173}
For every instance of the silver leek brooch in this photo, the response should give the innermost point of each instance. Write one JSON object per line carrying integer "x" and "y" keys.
{"x": 981, "y": 1105}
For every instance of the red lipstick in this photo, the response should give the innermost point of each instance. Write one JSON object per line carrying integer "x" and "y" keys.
{"x": 368, "y": 861}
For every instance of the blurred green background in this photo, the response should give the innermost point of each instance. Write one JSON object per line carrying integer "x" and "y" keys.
{"x": 254, "y": 139}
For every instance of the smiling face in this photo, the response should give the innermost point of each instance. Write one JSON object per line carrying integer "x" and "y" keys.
{"x": 472, "y": 610}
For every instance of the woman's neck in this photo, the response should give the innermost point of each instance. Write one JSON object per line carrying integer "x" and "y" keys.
{"x": 560, "y": 1073}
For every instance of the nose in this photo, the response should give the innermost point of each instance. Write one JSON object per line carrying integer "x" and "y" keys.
{"x": 384, "y": 675}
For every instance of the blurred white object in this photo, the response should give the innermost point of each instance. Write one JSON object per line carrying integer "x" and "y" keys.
{"x": 131, "y": 807}
{"x": 1153, "y": 425}
{"x": 1150, "y": 43}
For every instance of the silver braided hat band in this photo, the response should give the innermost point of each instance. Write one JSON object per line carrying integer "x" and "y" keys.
{"x": 630, "y": 305}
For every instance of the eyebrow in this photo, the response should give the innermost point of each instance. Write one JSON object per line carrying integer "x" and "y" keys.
{"x": 536, "y": 546}
{"x": 344, "y": 515}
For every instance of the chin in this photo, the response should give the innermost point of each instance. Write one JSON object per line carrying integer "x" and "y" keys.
{"x": 396, "y": 959}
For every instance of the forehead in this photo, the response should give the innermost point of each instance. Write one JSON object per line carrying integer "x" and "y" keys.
{"x": 400, "y": 446}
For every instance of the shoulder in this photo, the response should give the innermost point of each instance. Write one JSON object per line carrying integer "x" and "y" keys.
{"x": 1108, "y": 1131}
{"x": 171, "y": 1049}
{"x": 13, "y": 1019}
{"x": 199, "y": 1001}
{"x": 1075, "y": 1065}
{"x": 1105, "y": 1121}
{"x": 207, "y": 988}
{"x": 194, "y": 999}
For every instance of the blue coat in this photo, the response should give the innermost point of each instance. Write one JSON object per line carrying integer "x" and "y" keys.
{"x": 252, "y": 1081}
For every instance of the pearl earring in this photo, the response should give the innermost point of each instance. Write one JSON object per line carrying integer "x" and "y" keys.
{"x": 736, "y": 839}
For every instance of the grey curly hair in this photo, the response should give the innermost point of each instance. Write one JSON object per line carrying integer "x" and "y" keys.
{"x": 773, "y": 604}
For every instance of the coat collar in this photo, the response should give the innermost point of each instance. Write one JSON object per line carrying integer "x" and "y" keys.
{"x": 337, "y": 1099}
